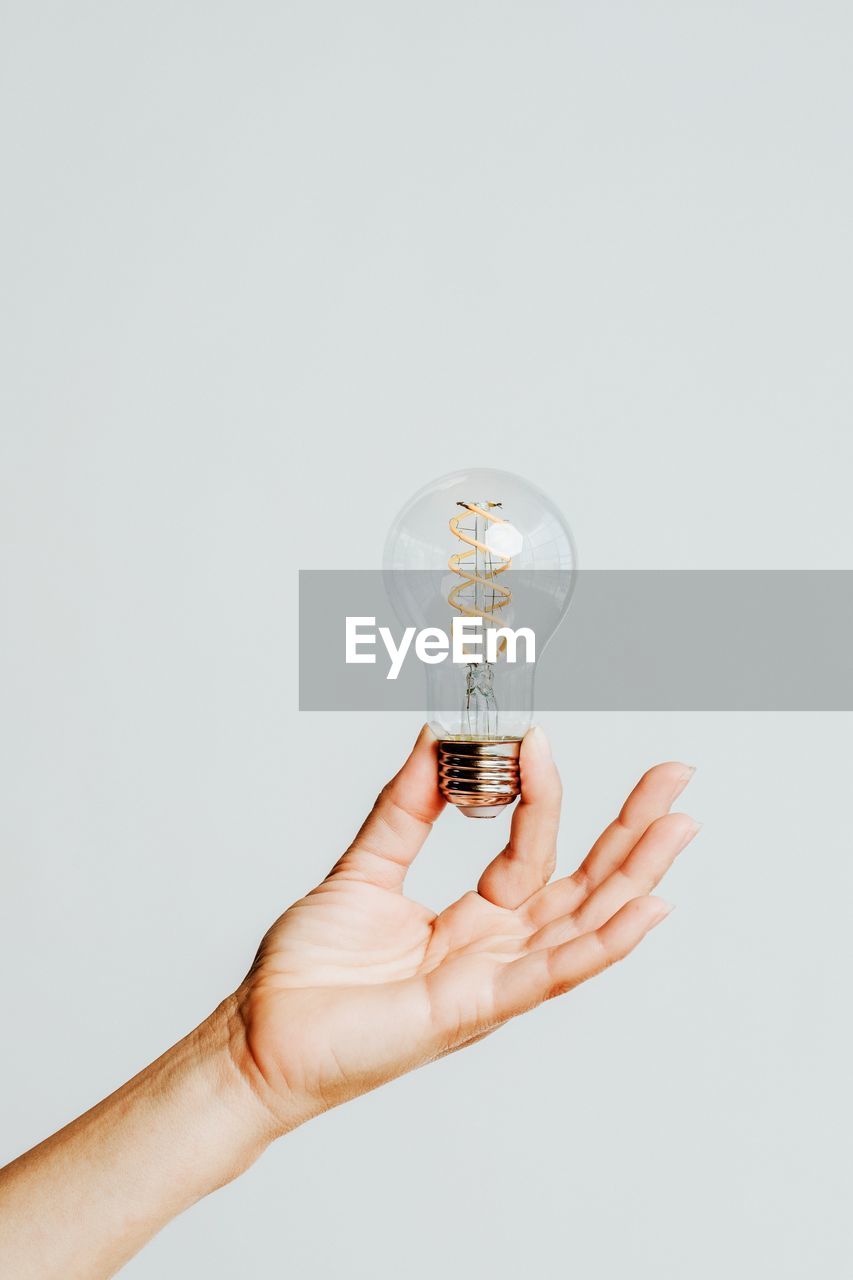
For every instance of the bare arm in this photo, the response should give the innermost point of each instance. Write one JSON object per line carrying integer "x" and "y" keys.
{"x": 85, "y": 1200}
{"x": 355, "y": 984}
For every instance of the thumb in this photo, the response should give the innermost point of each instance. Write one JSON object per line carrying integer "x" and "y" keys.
{"x": 400, "y": 821}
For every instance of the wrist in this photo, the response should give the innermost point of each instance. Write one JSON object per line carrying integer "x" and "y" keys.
{"x": 231, "y": 1082}
{"x": 268, "y": 1108}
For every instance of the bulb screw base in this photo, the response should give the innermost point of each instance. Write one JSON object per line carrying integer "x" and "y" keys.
{"x": 479, "y": 775}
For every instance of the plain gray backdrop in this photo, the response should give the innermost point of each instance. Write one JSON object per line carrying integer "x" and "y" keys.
{"x": 266, "y": 269}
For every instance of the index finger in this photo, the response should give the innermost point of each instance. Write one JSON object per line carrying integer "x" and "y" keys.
{"x": 528, "y": 860}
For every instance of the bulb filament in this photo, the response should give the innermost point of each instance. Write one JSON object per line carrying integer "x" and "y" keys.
{"x": 478, "y": 578}
{"x": 478, "y": 594}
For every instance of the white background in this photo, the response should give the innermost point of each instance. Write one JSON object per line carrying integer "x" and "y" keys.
{"x": 267, "y": 268}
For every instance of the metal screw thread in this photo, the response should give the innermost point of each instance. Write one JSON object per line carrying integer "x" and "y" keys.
{"x": 474, "y": 772}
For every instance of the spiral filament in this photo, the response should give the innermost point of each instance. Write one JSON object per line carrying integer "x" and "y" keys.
{"x": 478, "y": 594}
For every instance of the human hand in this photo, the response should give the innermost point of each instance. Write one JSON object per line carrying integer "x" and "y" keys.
{"x": 356, "y": 983}
{"x": 352, "y": 986}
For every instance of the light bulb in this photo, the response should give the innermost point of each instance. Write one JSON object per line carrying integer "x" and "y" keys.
{"x": 486, "y": 544}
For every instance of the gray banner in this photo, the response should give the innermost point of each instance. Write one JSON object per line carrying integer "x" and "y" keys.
{"x": 630, "y": 640}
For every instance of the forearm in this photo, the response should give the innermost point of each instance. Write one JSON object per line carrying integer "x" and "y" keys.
{"x": 84, "y": 1201}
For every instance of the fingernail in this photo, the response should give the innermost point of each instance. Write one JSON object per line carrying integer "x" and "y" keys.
{"x": 682, "y": 781}
{"x": 692, "y": 829}
{"x": 667, "y": 909}
{"x": 538, "y": 741}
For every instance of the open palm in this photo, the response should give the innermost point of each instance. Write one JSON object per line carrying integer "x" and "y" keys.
{"x": 356, "y": 983}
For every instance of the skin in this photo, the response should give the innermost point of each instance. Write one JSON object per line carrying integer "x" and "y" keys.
{"x": 354, "y": 985}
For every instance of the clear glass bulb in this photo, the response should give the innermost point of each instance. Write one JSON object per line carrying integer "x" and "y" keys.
{"x": 481, "y": 543}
